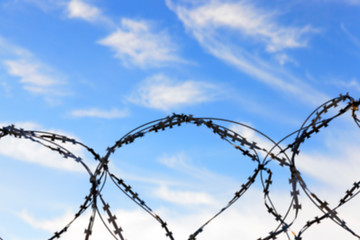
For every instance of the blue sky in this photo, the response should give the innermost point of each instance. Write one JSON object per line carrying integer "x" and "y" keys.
{"x": 94, "y": 70}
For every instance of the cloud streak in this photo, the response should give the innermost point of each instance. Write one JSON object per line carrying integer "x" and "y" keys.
{"x": 163, "y": 93}
{"x": 352, "y": 37}
{"x": 98, "y": 113}
{"x": 212, "y": 23}
{"x": 247, "y": 20}
{"x": 187, "y": 198}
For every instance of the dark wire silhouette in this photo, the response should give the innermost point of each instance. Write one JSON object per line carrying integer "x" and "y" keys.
{"x": 319, "y": 119}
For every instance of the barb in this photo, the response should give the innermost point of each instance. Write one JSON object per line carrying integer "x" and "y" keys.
{"x": 318, "y": 120}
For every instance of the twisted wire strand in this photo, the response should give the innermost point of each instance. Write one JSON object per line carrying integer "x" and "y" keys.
{"x": 284, "y": 156}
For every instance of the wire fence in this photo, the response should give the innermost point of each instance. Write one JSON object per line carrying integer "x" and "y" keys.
{"x": 286, "y": 156}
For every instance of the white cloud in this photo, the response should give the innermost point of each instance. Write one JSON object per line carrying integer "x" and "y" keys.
{"x": 134, "y": 43}
{"x": 76, "y": 231}
{"x": 80, "y": 9}
{"x": 329, "y": 170}
{"x": 182, "y": 197}
{"x": 248, "y": 20}
{"x": 29, "y": 73}
{"x": 9, "y": 50}
{"x": 129, "y": 221}
{"x": 347, "y": 86}
{"x": 25, "y": 150}
{"x": 174, "y": 161}
{"x": 181, "y": 225}
{"x": 334, "y": 162}
{"x": 212, "y": 23}
{"x": 248, "y": 219}
{"x": 47, "y": 225}
{"x": 35, "y": 76}
{"x": 98, "y": 113}
{"x": 29, "y": 151}
{"x": 161, "y": 92}
{"x": 283, "y": 58}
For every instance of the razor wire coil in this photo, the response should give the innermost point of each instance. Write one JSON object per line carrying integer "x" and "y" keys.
{"x": 284, "y": 156}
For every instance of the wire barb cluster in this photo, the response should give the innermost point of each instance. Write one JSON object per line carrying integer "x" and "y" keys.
{"x": 319, "y": 119}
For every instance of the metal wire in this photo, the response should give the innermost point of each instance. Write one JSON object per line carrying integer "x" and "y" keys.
{"x": 284, "y": 156}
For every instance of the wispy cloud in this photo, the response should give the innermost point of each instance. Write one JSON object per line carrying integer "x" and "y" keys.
{"x": 98, "y": 113}
{"x": 347, "y": 86}
{"x": 8, "y": 49}
{"x": 135, "y": 42}
{"x": 182, "y": 163}
{"x": 247, "y": 20}
{"x": 29, "y": 73}
{"x": 164, "y": 93}
{"x": 46, "y": 5}
{"x": 352, "y": 37}
{"x": 35, "y": 76}
{"x": 47, "y": 225}
{"x": 283, "y": 58}
{"x": 213, "y": 23}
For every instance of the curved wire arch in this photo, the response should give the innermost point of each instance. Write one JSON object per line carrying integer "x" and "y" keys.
{"x": 284, "y": 156}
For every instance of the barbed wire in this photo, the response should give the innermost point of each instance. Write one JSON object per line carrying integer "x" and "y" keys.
{"x": 319, "y": 119}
